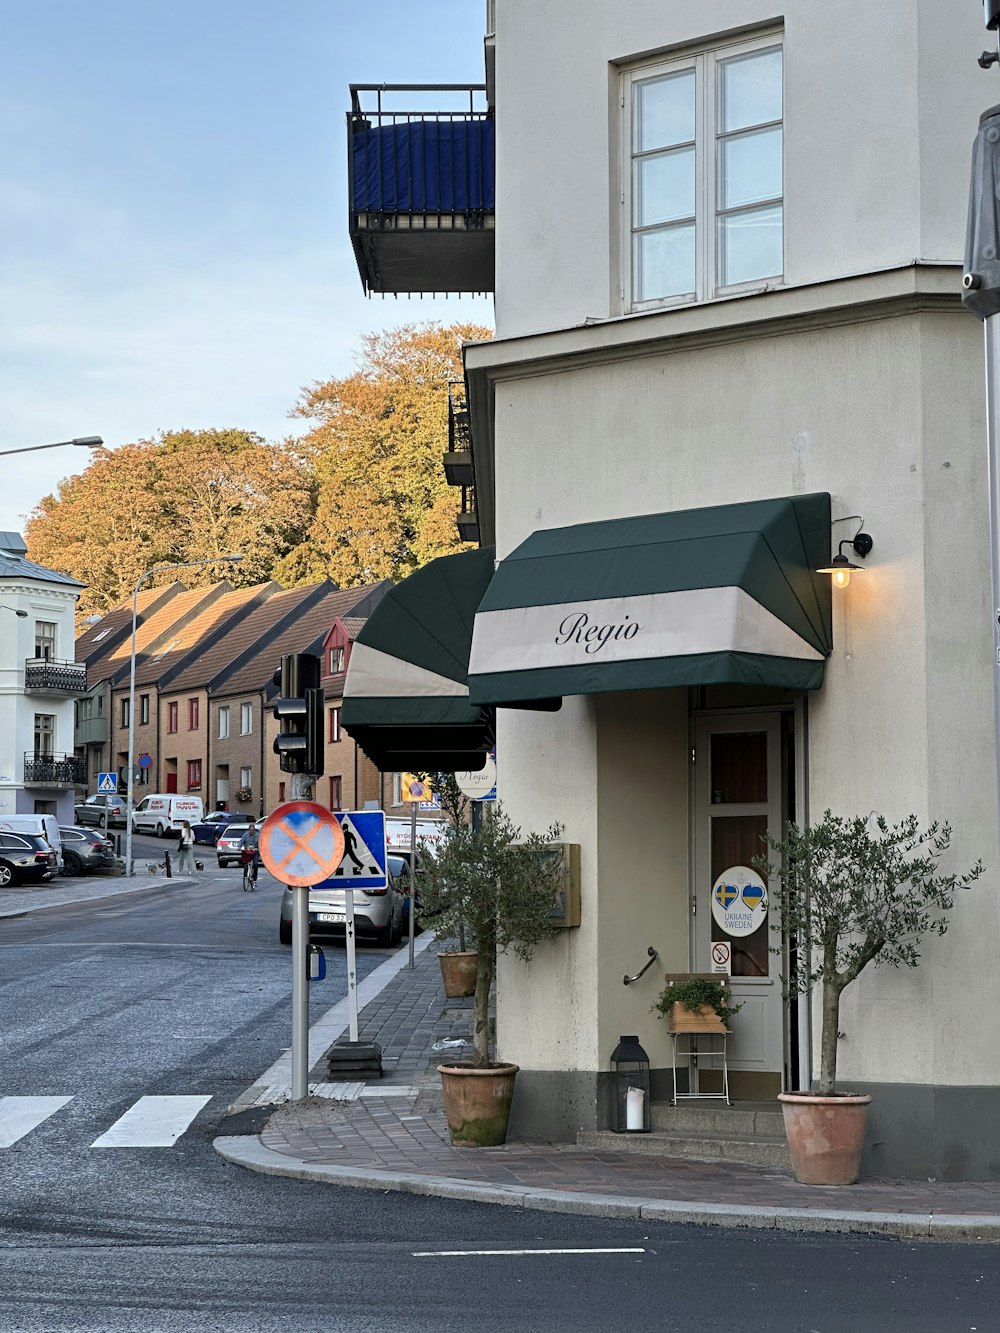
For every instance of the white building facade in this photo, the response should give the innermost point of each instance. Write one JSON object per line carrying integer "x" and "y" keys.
{"x": 729, "y": 338}
{"x": 39, "y": 685}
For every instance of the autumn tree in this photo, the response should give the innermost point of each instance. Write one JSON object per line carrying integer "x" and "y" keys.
{"x": 187, "y": 495}
{"x": 383, "y": 505}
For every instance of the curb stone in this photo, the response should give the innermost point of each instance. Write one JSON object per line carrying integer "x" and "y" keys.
{"x": 249, "y": 1152}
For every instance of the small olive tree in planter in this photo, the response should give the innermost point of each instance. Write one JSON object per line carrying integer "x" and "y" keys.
{"x": 500, "y": 885}
{"x": 853, "y": 891}
{"x": 458, "y": 966}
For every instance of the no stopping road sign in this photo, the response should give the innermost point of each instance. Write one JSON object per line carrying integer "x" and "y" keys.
{"x": 301, "y": 843}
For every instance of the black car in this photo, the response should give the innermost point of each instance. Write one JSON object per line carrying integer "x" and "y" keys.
{"x": 84, "y": 851}
{"x": 25, "y": 858}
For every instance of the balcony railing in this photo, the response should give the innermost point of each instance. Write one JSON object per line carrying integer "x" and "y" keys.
{"x": 54, "y": 770}
{"x": 421, "y": 185}
{"x": 49, "y": 675}
{"x": 458, "y": 459}
{"x": 468, "y": 519}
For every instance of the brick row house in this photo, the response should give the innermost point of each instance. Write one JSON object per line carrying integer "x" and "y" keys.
{"x": 204, "y": 690}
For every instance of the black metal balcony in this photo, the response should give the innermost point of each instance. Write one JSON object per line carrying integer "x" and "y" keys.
{"x": 54, "y": 770}
{"x": 49, "y": 675}
{"x": 468, "y": 519}
{"x": 421, "y": 186}
{"x": 458, "y": 460}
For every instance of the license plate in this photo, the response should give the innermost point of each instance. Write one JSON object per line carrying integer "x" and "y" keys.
{"x": 331, "y": 916}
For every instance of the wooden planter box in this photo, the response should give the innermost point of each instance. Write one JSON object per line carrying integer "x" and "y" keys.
{"x": 703, "y": 1019}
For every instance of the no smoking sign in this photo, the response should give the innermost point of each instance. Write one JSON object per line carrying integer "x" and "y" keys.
{"x": 722, "y": 957}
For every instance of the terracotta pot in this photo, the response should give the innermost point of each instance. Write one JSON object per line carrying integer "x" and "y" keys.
{"x": 477, "y": 1103}
{"x": 825, "y": 1135}
{"x": 702, "y": 1019}
{"x": 458, "y": 971}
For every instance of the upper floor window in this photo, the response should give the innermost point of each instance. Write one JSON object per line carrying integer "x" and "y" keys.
{"x": 125, "y": 712}
{"x": 144, "y": 708}
{"x": 246, "y": 719}
{"x": 194, "y": 774}
{"x": 192, "y": 715}
{"x": 704, "y": 189}
{"x": 336, "y": 664}
{"x": 223, "y": 722}
{"x": 335, "y": 724}
{"x": 172, "y": 716}
{"x": 45, "y": 640}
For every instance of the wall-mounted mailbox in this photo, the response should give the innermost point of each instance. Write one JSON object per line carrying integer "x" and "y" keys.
{"x": 566, "y": 911}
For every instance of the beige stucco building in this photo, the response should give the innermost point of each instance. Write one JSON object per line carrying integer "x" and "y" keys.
{"x": 728, "y": 271}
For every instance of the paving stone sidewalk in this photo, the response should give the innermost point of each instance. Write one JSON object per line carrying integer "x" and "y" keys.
{"x": 394, "y": 1134}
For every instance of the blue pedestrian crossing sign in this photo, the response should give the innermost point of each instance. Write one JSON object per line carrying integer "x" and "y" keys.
{"x": 107, "y": 782}
{"x": 364, "y": 863}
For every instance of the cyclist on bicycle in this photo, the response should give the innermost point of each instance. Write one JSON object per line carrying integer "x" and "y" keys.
{"x": 250, "y": 852}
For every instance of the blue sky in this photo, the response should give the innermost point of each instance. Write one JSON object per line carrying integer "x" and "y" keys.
{"x": 173, "y": 234}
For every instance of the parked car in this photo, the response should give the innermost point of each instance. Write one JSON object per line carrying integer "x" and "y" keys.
{"x": 84, "y": 851}
{"x": 378, "y": 913}
{"x": 25, "y": 858}
{"x": 228, "y": 845}
{"x": 162, "y": 813}
{"x": 207, "y": 830}
{"x": 92, "y": 810}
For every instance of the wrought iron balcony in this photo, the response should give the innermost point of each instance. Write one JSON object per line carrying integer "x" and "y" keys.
{"x": 49, "y": 675}
{"x": 458, "y": 459}
{"x": 54, "y": 770}
{"x": 421, "y": 187}
{"x": 468, "y": 519}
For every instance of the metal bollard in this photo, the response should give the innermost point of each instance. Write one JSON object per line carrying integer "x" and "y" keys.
{"x": 166, "y": 862}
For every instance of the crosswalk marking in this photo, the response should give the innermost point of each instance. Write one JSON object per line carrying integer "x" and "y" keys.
{"x": 20, "y": 1115}
{"x": 153, "y": 1122}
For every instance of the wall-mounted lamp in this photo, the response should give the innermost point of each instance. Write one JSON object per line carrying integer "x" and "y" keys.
{"x": 840, "y": 567}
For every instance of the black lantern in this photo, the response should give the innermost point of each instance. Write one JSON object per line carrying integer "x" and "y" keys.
{"x": 629, "y": 1088}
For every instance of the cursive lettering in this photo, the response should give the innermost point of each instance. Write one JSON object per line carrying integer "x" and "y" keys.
{"x": 577, "y": 628}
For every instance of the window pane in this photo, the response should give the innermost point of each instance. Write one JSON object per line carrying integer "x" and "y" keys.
{"x": 739, "y": 767}
{"x": 750, "y": 90}
{"x": 664, "y": 111}
{"x": 664, "y": 263}
{"x": 664, "y": 187}
{"x": 750, "y": 168}
{"x": 750, "y": 246}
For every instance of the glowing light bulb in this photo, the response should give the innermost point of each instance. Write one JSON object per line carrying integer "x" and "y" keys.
{"x": 841, "y": 578}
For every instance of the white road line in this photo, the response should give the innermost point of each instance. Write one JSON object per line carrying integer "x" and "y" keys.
{"x": 153, "y": 1122}
{"x": 464, "y": 1254}
{"x": 20, "y": 1115}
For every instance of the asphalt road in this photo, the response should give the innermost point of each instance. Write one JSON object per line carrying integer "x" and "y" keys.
{"x": 184, "y": 992}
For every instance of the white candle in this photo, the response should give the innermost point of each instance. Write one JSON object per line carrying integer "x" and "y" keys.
{"x": 634, "y": 1099}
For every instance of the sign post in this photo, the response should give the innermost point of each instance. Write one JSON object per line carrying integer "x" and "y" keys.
{"x": 413, "y": 791}
{"x": 301, "y": 844}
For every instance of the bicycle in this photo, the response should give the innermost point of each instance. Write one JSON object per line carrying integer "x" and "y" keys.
{"x": 249, "y": 858}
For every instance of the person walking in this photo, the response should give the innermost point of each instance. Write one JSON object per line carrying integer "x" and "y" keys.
{"x": 185, "y": 855}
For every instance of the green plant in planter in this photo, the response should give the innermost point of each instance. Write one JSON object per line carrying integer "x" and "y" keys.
{"x": 855, "y": 891}
{"x": 495, "y": 888}
{"x": 694, "y": 993}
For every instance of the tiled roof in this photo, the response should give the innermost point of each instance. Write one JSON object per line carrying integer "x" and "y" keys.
{"x": 354, "y": 625}
{"x": 212, "y": 666}
{"x": 167, "y": 657}
{"x": 97, "y": 639}
{"x": 304, "y": 636}
{"x": 114, "y": 664}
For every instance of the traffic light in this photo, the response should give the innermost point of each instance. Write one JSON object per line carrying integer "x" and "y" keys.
{"x": 299, "y": 710}
{"x": 992, "y": 13}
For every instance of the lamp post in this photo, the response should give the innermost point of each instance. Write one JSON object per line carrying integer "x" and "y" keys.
{"x": 5, "y": 607}
{"x": 83, "y": 441}
{"x": 156, "y": 569}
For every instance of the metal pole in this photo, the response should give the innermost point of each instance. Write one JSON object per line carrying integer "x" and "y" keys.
{"x": 352, "y": 964}
{"x": 993, "y": 482}
{"x": 413, "y": 877}
{"x": 131, "y": 728}
{"x": 300, "y": 994}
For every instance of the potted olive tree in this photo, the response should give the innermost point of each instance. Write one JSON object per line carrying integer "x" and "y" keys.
{"x": 852, "y": 891}
{"x": 501, "y": 886}
{"x": 458, "y": 966}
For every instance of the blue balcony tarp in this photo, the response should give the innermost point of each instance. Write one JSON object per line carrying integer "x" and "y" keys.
{"x": 424, "y": 166}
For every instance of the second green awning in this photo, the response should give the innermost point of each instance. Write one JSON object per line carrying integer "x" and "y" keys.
{"x": 724, "y": 595}
{"x": 406, "y": 696}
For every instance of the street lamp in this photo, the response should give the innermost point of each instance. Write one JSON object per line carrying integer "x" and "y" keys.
{"x": 156, "y": 569}
{"x": 5, "y": 607}
{"x": 84, "y": 442}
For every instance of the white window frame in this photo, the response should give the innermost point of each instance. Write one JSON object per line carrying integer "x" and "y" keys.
{"x": 224, "y": 722}
{"x": 707, "y": 211}
{"x": 246, "y": 719}
{"x": 246, "y": 776}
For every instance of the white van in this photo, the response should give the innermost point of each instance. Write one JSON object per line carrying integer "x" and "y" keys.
{"x": 43, "y": 826}
{"x": 163, "y": 812}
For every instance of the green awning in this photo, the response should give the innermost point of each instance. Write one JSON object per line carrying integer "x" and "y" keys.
{"x": 406, "y": 696}
{"x": 726, "y": 595}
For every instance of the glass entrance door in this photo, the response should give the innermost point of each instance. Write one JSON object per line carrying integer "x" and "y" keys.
{"x": 738, "y": 803}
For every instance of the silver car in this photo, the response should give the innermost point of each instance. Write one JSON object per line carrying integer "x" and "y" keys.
{"x": 378, "y": 913}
